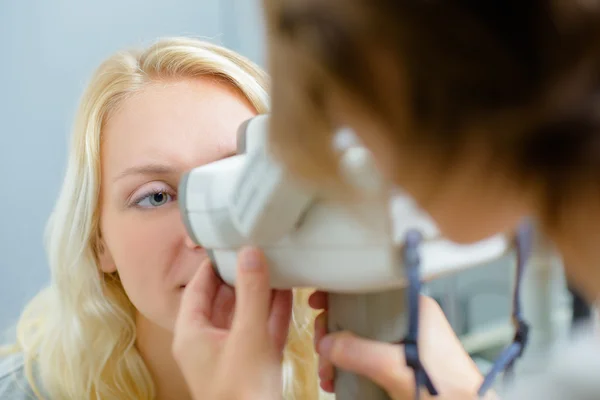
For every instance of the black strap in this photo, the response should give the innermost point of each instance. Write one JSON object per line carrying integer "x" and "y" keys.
{"x": 412, "y": 263}
{"x": 510, "y": 354}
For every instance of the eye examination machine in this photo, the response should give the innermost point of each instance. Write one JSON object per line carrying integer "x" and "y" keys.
{"x": 372, "y": 257}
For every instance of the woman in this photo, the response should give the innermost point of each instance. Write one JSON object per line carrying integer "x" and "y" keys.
{"x": 118, "y": 251}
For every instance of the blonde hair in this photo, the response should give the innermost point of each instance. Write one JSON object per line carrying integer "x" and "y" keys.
{"x": 78, "y": 335}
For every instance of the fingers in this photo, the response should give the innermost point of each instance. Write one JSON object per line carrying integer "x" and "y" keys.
{"x": 328, "y": 386}
{"x": 326, "y": 371}
{"x": 320, "y": 327}
{"x": 253, "y": 294}
{"x": 279, "y": 320}
{"x": 223, "y": 307}
{"x": 378, "y": 361}
{"x": 193, "y": 332}
{"x": 318, "y": 301}
{"x": 198, "y": 297}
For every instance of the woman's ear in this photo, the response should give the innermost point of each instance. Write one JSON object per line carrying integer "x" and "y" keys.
{"x": 107, "y": 264}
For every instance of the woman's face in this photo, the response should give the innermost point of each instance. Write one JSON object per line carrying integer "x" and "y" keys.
{"x": 148, "y": 143}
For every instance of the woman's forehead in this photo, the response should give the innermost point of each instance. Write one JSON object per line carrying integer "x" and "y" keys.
{"x": 186, "y": 123}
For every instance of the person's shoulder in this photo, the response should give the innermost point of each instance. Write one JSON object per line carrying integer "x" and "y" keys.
{"x": 571, "y": 372}
{"x": 14, "y": 384}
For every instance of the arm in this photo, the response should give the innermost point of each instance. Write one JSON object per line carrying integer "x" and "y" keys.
{"x": 571, "y": 370}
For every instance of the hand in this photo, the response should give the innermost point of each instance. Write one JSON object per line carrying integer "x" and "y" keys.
{"x": 453, "y": 372}
{"x": 233, "y": 358}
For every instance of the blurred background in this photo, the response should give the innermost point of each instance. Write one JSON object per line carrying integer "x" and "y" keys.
{"x": 49, "y": 50}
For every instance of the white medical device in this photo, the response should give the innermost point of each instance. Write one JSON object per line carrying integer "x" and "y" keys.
{"x": 309, "y": 241}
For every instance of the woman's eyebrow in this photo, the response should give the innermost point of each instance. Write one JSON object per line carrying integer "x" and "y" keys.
{"x": 147, "y": 169}
{"x": 157, "y": 169}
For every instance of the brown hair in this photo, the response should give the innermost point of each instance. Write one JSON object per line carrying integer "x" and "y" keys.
{"x": 520, "y": 76}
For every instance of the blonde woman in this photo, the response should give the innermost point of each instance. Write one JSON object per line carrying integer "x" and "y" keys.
{"x": 118, "y": 250}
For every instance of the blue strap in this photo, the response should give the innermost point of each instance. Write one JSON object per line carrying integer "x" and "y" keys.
{"x": 507, "y": 358}
{"x": 411, "y": 348}
{"x": 510, "y": 354}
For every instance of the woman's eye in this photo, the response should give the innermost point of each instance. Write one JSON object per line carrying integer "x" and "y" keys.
{"x": 155, "y": 200}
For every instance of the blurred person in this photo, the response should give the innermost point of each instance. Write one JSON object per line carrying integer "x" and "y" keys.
{"x": 485, "y": 113}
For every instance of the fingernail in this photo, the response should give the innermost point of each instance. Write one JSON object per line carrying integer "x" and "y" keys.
{"x": 325, "y": 346}
{"x": 251, "y": 259}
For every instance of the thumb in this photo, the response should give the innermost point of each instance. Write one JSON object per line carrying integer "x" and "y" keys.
{"x": 253, "y": 294}
{"x": 381, "y": 362}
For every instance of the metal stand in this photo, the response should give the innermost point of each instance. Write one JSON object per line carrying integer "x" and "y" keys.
{"x": 379, "y": 316}
{"x": 382, "y": 317}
